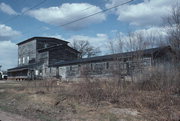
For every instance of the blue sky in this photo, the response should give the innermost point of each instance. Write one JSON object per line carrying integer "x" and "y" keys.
{"x": 47, "y": 18}
{"x": 29, "y": 26}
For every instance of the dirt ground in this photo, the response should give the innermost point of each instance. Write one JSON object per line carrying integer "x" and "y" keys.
{"x": 4, "y": 116}
{"x": 30, "y": 101}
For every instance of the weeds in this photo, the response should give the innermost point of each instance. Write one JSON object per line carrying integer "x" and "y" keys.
{"x": 155, "y": 97}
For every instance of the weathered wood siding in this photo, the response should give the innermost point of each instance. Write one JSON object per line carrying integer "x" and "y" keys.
{"x": 61, "y": 54}
{"x": 41, "y": 44}
{"x": 26, "y": 53}
{"x": 105, "y": 68}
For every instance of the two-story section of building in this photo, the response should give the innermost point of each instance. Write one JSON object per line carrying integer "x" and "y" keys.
{"x": 37, "y": 53}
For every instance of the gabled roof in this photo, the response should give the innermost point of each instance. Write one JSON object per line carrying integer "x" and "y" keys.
{"x": 145, "y": 52}
{"x": 41, "y": 38}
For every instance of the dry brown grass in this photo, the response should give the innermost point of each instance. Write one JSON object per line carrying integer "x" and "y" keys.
{"x": 161, "y": 105}
{"x": 154, "y": 98}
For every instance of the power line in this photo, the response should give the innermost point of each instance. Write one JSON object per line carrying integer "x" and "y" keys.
{"x": 95, "y": 13}
{"x": 12, "y": 18}
{"x": 78, "y": 12}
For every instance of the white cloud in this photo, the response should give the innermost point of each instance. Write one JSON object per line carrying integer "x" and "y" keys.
{"x": 96, "y": 39}
{"x": 146, "y": 13}
{"x": 8, "y": 54}
{"x": 69, "y": 12}
{"x": 156, "y": 31}
{"x": 7, "y": 33}
{"x": 8, "y": 49}
{"x": 7, "y": 9}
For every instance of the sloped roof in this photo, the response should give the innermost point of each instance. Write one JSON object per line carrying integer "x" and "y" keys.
{"x": 110, "y": 57}
{"x": 23, "y": 67}
{"x": 57, "y": 46}
{"x": 41, "y": 38}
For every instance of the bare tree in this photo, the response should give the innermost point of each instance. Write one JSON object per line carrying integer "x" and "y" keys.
{"x": 135, "y": 41}
{"x": 116, "y": 44}
{"x": 111, "y": 47}
{"x": 139, "y": 41}
{"x": 173, "y": 21}
{"x": 85, "y": 48}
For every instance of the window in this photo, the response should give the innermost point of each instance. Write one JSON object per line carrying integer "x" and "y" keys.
{"x": 27, "y": 59}
{"x": 79, "y": 67}
{"x": 36, "y": 73}
{"x": 40, "y": 72}
{"x": 91, "y": 66}
{"x": 70, "y": 68}
{"x": 23, "y": 60}
{"x": 107, "y": 65}
{"x": 45, "y": 45}
{"x": 45, "y": 70}
{"x": 50, "y": 70}
{"x": 147, "y": 61}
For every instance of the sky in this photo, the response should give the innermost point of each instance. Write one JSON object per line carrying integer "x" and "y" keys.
{"x": 23, "y": 19}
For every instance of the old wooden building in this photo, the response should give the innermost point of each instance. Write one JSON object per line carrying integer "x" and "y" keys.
{"x": 45, "y": 57}
{"x": 121, "y": 64}
{"x": 37, "y": 53}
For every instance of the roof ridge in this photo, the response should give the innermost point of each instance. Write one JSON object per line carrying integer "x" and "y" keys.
{"x": 32, "y": 38}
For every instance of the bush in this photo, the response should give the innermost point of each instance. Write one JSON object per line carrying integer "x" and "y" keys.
{"x": 159, "y": 78}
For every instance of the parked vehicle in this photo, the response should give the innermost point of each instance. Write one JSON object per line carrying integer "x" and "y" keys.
{"x": 3, "y": 76}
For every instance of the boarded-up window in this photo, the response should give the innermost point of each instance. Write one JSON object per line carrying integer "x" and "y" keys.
{"x": 147, "y": 61}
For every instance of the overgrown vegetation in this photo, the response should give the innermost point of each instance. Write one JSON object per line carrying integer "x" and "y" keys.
{"x": 155, "y": 97}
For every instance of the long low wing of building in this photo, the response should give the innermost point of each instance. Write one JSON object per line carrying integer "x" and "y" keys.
{"x": 121, "y": 64}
